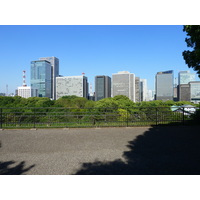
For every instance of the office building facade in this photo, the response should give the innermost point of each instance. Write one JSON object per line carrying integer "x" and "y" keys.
{"x": 184, "y": 77}
{"x": 143, "y": 89}
{"x": 41, "y": 78}
{"x": 164, "y": 85}
{"x": 195, "y": 91}
{"x": 54, "y": 72}
{"x": 151, "y": 95}
{"x": 189, "y": 92}
{"x": 71, "y": 85}
{"x": 24, "y": 91}
{"x": 183, "y": 91}
{"x": 102, "y": 87}
{"x": 123, "y": 83}
{"x": 137, "y": 90}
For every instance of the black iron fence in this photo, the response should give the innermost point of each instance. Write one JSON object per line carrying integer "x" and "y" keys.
{"x": 92, "y": 117}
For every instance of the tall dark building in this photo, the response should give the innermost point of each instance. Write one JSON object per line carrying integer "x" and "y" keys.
{"x": 102, "y": 87}
{"x": 183, "y": 92}
{"x": 164, "y": 85}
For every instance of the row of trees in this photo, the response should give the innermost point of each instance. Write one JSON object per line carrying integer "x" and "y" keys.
{"x": 119, "y": 101}
{"x": 17, "y": 111}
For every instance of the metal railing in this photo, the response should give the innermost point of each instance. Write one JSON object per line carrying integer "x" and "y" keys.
{"x": 54, "y": 117}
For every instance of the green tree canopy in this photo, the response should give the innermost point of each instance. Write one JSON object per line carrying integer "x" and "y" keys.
{"x": 106, "y": 103}
{"x": 192, "y": 58}
{"x": 71, "y": 102}
{"x": 123, "y": 101}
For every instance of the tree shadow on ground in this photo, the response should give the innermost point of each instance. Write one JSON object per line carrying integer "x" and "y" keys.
{"x": 170, "y": 150}
{"x": 7, "y": 168}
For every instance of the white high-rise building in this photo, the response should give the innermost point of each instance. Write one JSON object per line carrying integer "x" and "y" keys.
{"x": 71, "y": 85}
{"x": 144, "y": 91}
{"x": 24, "y": 91}
{"x": 123, "y": 83}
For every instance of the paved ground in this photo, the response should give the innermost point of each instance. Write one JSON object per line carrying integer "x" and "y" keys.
{"x": 62, "y": 151}
{"x": 139, "y": 150}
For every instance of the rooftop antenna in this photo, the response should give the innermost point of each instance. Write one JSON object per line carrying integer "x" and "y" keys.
{"x": 24, "y": 79}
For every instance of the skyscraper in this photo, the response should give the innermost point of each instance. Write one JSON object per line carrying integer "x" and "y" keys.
{"x": 143, "y": 88}
{"x": 102, "y": 87}
{"x": 195, "y": 91}
{"x": 71, "y": 85}
{"x": 184, "y": 77}
{"x": 137, "y": 89}
{"x": 123, "y": 83}
{"x": 54, "y": 72}
{"x": 183, "y": 91}
{"x": 41, "y": 77}
{"x": 164, "y": 85}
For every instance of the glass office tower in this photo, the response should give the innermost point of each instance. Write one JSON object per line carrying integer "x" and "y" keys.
{"x": 54, "y": 72}
{"x": 164, "y": 85}
{"x": 184, "y": 77}
{"x": 102, "y": 87}
{"x": 41, "y": 75}
{"x": 195, "y": 91}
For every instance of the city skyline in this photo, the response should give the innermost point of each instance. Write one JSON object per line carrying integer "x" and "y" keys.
{"x": 94, "y": 50}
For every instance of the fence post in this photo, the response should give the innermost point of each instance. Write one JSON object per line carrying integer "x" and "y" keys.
{"x": 127, "y": 117}
{"x": 183, "y": 120}
{"x": 34, "y": 119}
{"x": 156, "y": 116}
{"x": 1, "y": 117}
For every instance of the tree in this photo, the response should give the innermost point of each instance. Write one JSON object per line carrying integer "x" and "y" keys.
{"x": 192, "y": 58}
{"x": 123, "y": 101}
{"x": 71, "y": 102}
{"x": 106, "y": 103}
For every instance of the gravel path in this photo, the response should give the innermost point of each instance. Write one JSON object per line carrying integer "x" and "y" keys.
{"x": 61, "y": 151}
{"x": 138, "y": 150}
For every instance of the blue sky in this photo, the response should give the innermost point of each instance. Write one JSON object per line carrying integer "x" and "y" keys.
{"x": 93, "y": 49}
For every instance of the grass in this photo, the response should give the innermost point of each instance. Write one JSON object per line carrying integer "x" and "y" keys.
{"x": 81, "y": 124}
